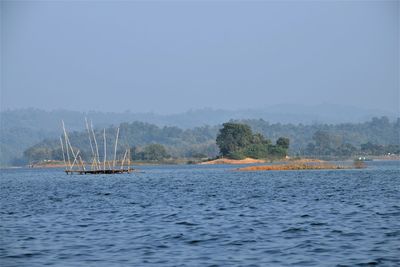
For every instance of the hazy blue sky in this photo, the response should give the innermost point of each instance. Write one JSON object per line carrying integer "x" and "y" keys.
{"x": 173, "y": 56}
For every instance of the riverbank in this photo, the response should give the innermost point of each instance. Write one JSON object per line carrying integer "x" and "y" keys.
{"x": 221, "y": 161}
{"x": 61, "y": 164}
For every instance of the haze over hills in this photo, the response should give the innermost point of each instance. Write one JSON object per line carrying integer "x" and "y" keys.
{"x": 23, "y": 128}
{"x": 39, "y": 119}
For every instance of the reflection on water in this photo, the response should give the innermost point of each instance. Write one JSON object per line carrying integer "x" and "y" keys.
{"x": 203, "y": 216}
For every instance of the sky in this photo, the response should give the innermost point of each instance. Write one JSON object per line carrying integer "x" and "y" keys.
{"x": 173, "y": 56}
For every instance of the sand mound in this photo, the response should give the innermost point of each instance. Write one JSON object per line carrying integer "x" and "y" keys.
{"x": 233, "y": 161}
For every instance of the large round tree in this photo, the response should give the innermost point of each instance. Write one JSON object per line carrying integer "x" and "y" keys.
{"x": 233, "y": 137}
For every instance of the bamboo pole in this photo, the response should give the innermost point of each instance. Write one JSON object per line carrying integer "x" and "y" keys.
{"x": 90, "y": 139}
{"x": 129, "y": 158}
{"x": 97, "y": 148}
{"x": 75, "y": 160}
{"x": 72, "y": 150}
{"x": 62, "y": 149}
{"x": 82, "y": 164}
{"x": 94, "y": 164}
{"x": 66, "y": 147}
{"x": 66, "y": 143}
{"x": 115, "y": 147}
{"x": 105, "y": 150}
{"x": 123, "y": 160}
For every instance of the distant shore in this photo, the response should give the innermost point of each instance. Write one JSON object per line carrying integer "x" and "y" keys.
{"x": 222, "y": 161}
{"x": 61, "y": 164}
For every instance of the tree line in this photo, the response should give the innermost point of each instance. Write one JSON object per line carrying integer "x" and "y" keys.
{"x": 146, "y": 141}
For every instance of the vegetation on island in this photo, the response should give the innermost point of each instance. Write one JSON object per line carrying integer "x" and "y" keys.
{"x": 325, "y": 144}
{"x": 377, "y": 137}
{"x": 237, "y": 141}
{"x": 146, "y": 142}
{"x": 152, "y": 152}
{"x": 305, "y": 164}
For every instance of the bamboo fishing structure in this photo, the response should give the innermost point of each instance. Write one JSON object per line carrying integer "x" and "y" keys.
{"x": 79, "y": 166}
{"x": 97, "y": 157}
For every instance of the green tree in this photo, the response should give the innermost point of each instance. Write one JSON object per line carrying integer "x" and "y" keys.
{"x": 277, "y": 152}
{"x": 257, "y": 151}
{"x": 136, "y": 154}
{"x": 233, "y": 137}
{"x": 237, "y": 141}
{"x": 155, "y": 152}
{"x": 260, "y": 139}
{"x": 346, "y": 150}
{"x": 36, "y": 153}
{"x": 150, "y": 152}
{"x": 322, "y": 140}
{"x": 283, "y": 142}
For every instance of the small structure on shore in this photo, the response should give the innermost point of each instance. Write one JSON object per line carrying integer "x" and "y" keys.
{"x": 95, "y": 166}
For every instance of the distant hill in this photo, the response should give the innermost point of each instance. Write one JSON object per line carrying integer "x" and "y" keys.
{"x": 20, "y": 129}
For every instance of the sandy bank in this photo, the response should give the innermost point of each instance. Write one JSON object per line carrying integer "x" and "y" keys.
{"x": 233, "y": 161}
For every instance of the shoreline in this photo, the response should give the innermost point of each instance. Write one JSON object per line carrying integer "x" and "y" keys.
{"x": 222, "y": 161}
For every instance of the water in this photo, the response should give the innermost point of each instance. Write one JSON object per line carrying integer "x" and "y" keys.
{"x": 202, "y": 216}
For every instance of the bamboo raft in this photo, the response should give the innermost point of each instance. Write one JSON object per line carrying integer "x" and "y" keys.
{"x": 112, "y": 171}
{"x": 78, "y": 166}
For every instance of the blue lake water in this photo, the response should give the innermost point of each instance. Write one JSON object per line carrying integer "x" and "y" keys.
{"x": 201, "y": 216}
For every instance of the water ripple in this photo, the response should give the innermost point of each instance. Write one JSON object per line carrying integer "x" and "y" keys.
{"x": 201, "y": 216}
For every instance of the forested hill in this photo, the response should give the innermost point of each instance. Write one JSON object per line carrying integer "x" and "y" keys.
{"x": 380, "y": 131}
{"x": 22, "y": 128}
{"x": 377, "y": 136}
